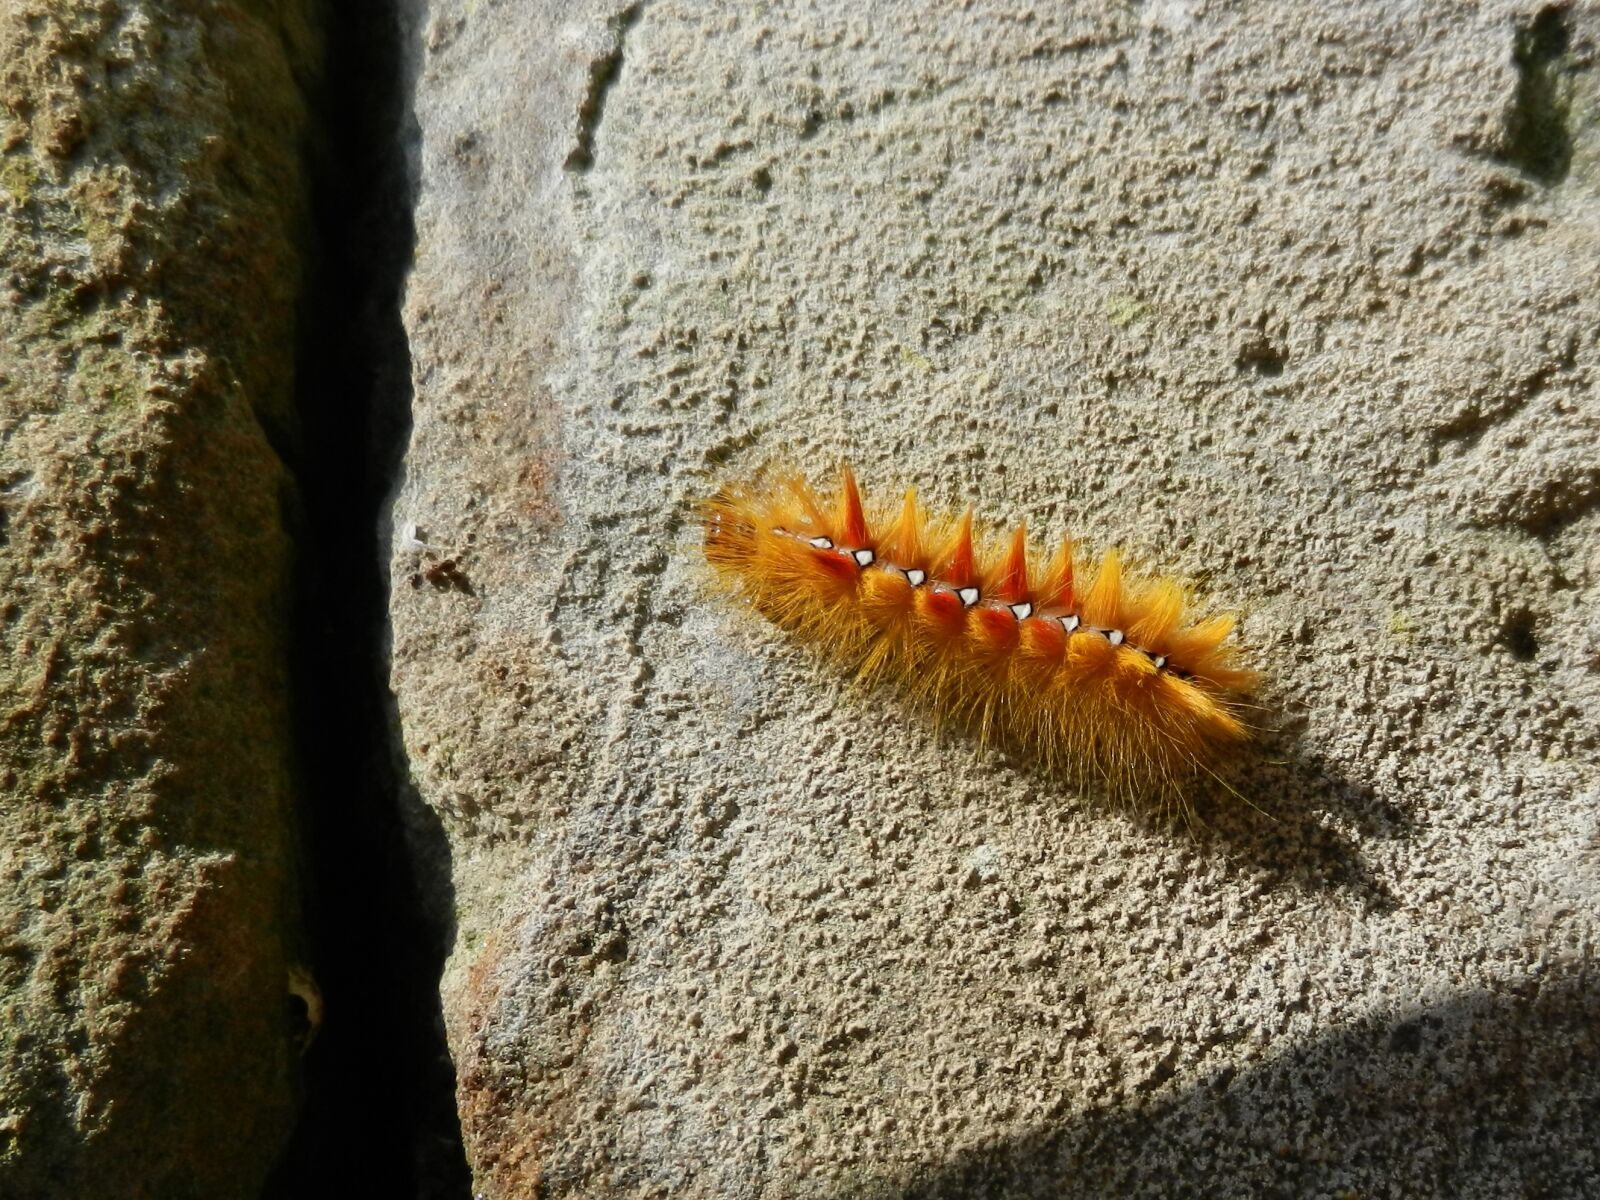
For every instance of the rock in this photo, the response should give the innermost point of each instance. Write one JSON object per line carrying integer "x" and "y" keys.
{"x": 150, "y": 209}
{"x": 1299, "y": 305}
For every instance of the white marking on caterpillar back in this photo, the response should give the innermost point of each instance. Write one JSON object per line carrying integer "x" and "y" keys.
{"x": 968, "y": 596}
{"x": 1114, "y": 637}
{"x": 917, "y": 576}
{"x": 863, "y": 558}
{"x": 1070, "y": 624}
{"x": 821, "y": 543}
{"x": 1022, "y": 611}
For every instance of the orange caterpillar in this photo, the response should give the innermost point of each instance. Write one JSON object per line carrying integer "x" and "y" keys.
{"x": 1110, "y": 682}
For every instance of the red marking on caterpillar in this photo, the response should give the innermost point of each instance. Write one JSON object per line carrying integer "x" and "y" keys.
{"x": 1112, "y": 683}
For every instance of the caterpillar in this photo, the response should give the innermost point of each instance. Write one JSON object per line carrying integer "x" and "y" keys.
{"x": 1111, "y": 683}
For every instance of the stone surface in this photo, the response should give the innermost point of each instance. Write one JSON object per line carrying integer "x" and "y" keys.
{"x": 150, "y": 210}
{"x": 1297, "y": 304}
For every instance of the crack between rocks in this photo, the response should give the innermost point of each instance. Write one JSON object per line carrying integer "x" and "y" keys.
{"x": 378, "y": 1115}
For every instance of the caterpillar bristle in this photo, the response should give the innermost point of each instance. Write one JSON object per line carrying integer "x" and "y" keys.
{"x": 1113, "y": 685}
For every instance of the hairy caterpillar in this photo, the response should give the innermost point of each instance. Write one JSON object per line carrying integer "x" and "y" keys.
{"x": 1110, "y": 683}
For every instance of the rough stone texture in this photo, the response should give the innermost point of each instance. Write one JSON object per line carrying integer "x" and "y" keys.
{"x": 1299, "y": 304}
{"x": 150, "y": 200}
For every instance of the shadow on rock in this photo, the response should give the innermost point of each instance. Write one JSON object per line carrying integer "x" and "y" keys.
{"x": 1494, "y": 1094}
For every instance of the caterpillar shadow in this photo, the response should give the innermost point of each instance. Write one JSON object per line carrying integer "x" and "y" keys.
{"x": 1285, "y": 810}
{"x": 1278, "y": 809}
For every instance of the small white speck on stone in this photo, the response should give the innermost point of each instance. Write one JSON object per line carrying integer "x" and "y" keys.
{"x": 984, "y": 864}
{"x": 412, "y": 540}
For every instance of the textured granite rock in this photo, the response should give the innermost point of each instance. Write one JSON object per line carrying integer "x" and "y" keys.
{"x": 1297, "y": 304}
{"x": 150, "y": 202}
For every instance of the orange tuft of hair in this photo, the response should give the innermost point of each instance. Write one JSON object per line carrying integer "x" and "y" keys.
{"x": 1107, "y": 679}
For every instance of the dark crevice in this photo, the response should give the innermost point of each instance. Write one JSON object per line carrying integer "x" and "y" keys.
{"x": 603, "y": 72}
{"x": 378, "y": 1115}
{"x": 1538, "y": 139}
{"x": 1262, "y": 357}
{"x": 1519, "y": 634}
